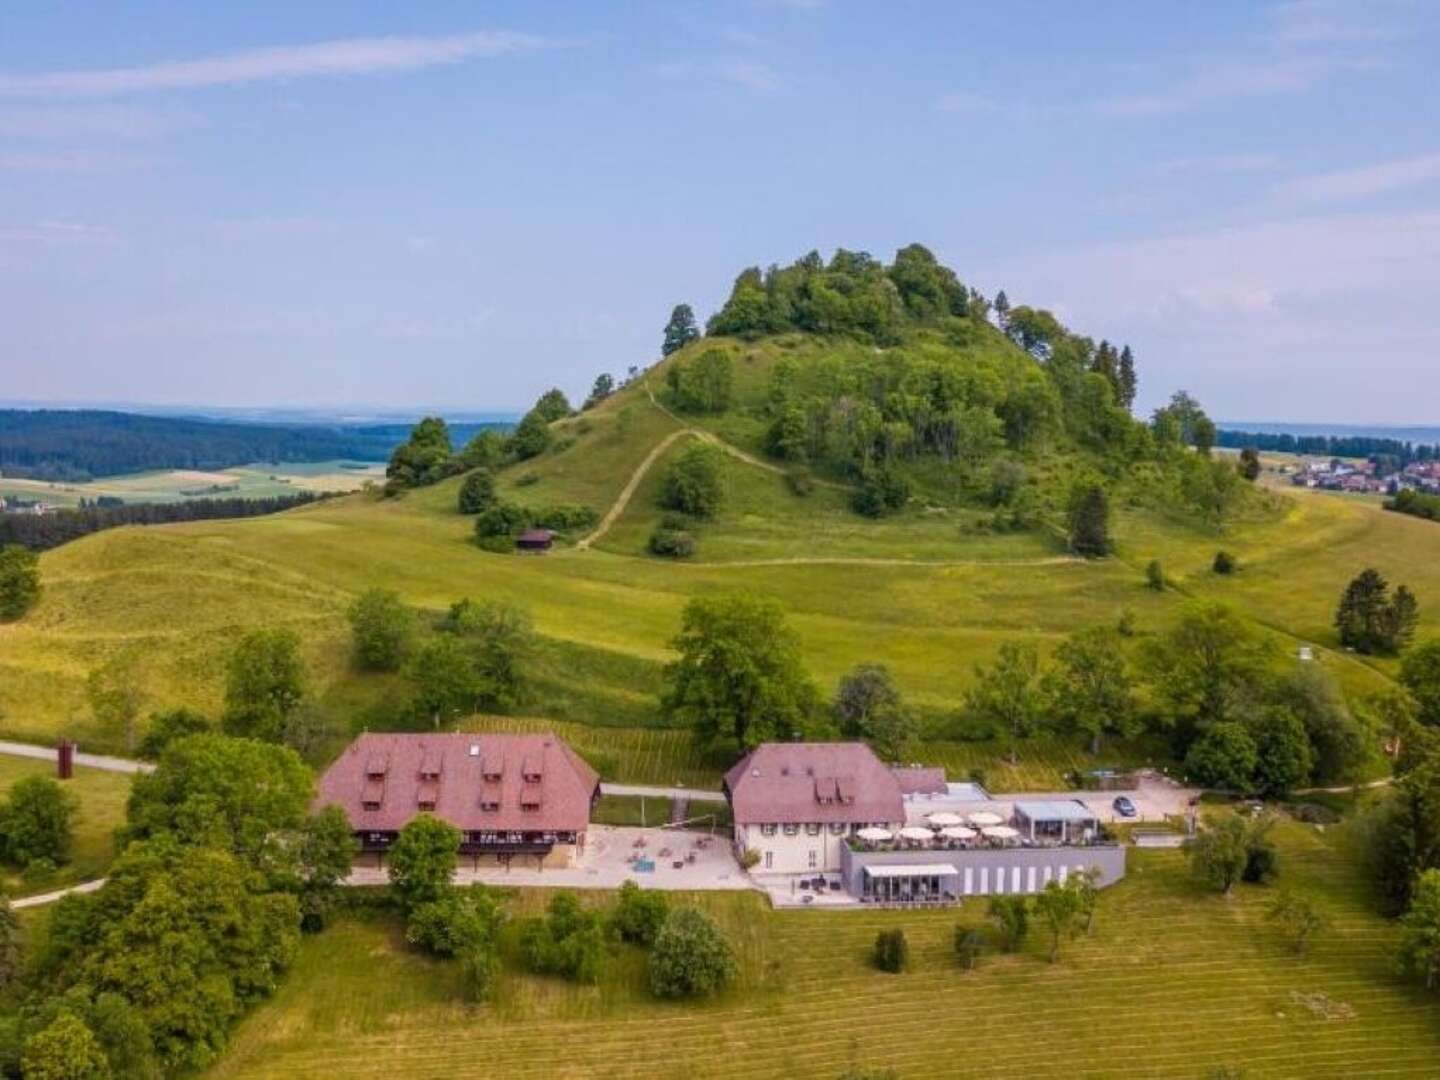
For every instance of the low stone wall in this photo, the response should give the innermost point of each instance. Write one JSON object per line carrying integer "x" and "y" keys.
{"x": 993, "y": 871}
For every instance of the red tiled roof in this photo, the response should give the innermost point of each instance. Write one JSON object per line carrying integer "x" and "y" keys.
{"x": 918, "y": 780}
{"x": 804, "y": 782}
{"x": 558, "y": 802}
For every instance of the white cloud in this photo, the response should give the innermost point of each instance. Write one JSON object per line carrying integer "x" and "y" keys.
{"x": 70, "y": 161}
{"x": 1378, "y": 179}
{"x": 349, "y": 56}
{"x": 1329, "y": 22}
{"x": 757, "y": 77}
{"x": 89, "y": 121}
{"x": 1321, "y": 318}
{"x": 56, "y": 232}
{"x": 1218, "y": 164}
{"x": 1236, "y": 80}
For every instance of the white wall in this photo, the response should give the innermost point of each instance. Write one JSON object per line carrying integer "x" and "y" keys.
{"x": 797, "y": 854}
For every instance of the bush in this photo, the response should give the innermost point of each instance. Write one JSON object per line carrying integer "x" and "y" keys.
{"x": 882, "y": 491}
{"x": 799, "y": 480}
{"x": 568, "y": 941}
{"x": 37, "y": 822}
{"x": 458, "y": 923}
{"x": 1155, "y": 575}
{"x": 1224, "y": 563}
{"x": 639, "y": 914}
{"x": 691, "y": 956}
{"x": 969, "y": 946}
{"x": 672, "y": 543}
{"x": 563, "y": 517}
{"x": 750, "y": 859}
{"x": 891, "y": 952}
{"x": 167, "y": 727}
{"x": 477, "y": 492}
{"x": 527, "y": 479}
{"x": 1262, "y": 863}
{"x": 1011, "y": 916}
{"x": 501, "y": 518}
{"x": 694, "y": 483}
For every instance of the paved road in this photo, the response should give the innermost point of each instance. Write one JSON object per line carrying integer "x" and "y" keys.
{"x": 90, "y": 761}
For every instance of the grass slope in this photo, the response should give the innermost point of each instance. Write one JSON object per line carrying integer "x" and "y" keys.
{"x": 1173, "y": 982}
{"x": 923, "y": 592}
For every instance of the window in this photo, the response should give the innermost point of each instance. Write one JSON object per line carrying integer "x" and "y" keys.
{"x": 814, "y": 859}
{"x": 769, "y": 859}
{"x": 791, "y": 829}
{"x": 427, "y": 805}
{"x": 371, "y": 804}
{"x": 767, "y": 830}
{"x": 837, "y": 828}
{"x": 813, "y": 829}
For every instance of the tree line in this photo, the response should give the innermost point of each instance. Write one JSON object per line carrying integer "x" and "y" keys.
{"x": 428, "y": 455}
{"x": 1396, "y": 452}
{"x": 40, "y": 532}
{"x": 81, "y": 444}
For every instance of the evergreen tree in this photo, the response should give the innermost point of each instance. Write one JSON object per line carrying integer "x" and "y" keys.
{"x": 680, "y": 330}
{"x": 1249, "y": 466}
{"x": 1370, "y": 620}
{"x": 477, "y": 492}
{"x": 1129, "y": 380}
{"x": 1090, "y": 521}
{"x": 1002, "y": 309}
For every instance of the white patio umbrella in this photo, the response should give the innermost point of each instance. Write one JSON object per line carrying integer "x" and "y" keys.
{"x": 873, "y": 833}
{"x": 915, "y": 832}
{"x": 957, "y": 832}
{"x": 945, "y": 819}
{"x": 985, "y": 818}
{"x": 1000, "y": 832}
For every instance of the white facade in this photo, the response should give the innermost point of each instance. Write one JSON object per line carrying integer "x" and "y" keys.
{"x": 799, "y": 849}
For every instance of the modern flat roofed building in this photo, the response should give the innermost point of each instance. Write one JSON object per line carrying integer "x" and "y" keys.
{"x": 509, "y": 795}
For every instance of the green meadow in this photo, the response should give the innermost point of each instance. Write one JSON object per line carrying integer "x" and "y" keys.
{"x": 1174, "y": 981}
{"x": 930, "y": 592}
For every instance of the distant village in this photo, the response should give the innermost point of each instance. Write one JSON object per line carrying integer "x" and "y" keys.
{"x": 1365, "y": 477}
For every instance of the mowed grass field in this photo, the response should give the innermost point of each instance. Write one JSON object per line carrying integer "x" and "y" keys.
{"x": 178, "y": 597}
{"x": 1173, "y": 982}
{"x": 101, "y": 798}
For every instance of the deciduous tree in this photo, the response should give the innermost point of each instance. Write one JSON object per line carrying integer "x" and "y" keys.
{"x": 1420, "y": 938}
{"x": 692, "y": 957}
{"x": 1090, "y": 690}
{"x": 382, "y": 626}
{"x": 1008, "y": 693}
{"x": 19, "y": 581}
{"x": 868, "y": 706}
{"x": 422, "y": 860}
{"x": 265, "y": 683}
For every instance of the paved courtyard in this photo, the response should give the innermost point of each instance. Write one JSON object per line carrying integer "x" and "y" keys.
{"x": 606, "y": 864}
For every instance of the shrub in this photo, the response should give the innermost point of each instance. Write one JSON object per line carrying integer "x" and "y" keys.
{"x": 639, "y": 914}
{"x": 695, "y": 481}
{"x": 1011, "y": 916}
{"x": 37, "y": 822}
{"x": 167, "y": 727}
{"x": 563, "y": 517}
{"x": 501, "y": 518}
{"x": 1262, "y": 862}
{"x": 477, "y": 492}
{"x": 891, "y": 952}
{"x": 672, "y": 543}
{"x": 1224, "y": 563}
{"x": 460, "y": 921}
{"x": 568, "y": 941}
{"x": 1155, "y": 575}
{"x": 882, "y": 491}
{"x": 527, "y": 479}
{"x": 691, "y": 957}
{"x": 799, "y": 480}
{"x": 969, "y": 946}
{"x": 750, "y": 859}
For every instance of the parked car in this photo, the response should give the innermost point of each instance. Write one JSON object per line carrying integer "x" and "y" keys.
{"x": 1124, "y": 807}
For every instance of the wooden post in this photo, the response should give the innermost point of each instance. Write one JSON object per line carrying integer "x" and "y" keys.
{"x": 65, "y": 759}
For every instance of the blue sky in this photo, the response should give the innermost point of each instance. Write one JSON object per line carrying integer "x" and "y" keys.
{"x": 460, "y": 204}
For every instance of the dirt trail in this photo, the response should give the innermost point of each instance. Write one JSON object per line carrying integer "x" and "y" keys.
{"x": 628, "y": 491}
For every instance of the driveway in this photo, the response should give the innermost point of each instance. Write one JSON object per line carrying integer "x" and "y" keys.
{"x": 605, "y": 864}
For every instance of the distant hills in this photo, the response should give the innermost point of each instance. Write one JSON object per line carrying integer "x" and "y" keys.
{"x": 81, "y": 444}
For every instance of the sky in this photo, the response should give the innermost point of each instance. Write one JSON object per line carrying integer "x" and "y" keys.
{"x": 457, "y": 205}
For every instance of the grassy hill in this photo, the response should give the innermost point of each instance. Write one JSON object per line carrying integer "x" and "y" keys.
{"x": 931, "y": 590}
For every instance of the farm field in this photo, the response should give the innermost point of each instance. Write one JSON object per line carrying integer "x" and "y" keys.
{"x": 179, "y": 596}
{"x": 1173, "y": 982}
{"x": 102, "y": 797}
{"x": 259, "y": 480}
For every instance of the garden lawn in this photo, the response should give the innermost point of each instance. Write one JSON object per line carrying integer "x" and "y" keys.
{"x": 1175, "y": 981}
{"x": 102, "y": 797}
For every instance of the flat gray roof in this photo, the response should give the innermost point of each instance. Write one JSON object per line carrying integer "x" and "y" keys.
{"x": 1054, "y": 810}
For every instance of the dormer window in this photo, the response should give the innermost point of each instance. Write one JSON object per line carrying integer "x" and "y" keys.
{"x": 531, "y": 771}
{"x": 430, "y": 765}
{"x": 493, "y": 769}
{"x": 377, "y": 767}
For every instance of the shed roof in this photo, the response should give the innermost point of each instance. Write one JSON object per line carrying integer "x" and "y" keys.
{"x": 448, "y": 771}
{"x": 1054, "y": 810}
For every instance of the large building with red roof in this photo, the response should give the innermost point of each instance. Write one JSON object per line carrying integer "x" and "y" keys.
{"x": 526, "y": 796}
{"x": 795, "y": 803}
